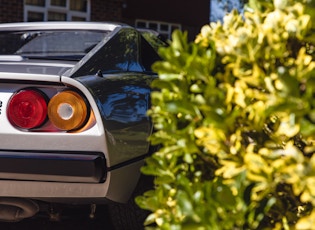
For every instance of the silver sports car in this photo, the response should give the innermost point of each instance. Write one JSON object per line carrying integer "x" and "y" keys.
{"x": 73, "y": 124}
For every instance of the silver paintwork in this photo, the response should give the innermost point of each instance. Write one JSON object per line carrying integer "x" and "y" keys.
{"x": 119, "y": 183}
{"x": 118, "y": 191}
{"x": 29, "y": 26}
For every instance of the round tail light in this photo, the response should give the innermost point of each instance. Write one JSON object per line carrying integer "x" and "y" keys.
{"x": 27, "y": 109}
{"x": 67, "y": 110}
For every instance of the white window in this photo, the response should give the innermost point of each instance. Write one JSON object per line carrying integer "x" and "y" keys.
{"x": 57, "y": 10}
{"x": 163, "y": 28}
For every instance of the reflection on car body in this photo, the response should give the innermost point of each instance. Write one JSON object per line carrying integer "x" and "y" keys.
{"x": 73, "y": 124}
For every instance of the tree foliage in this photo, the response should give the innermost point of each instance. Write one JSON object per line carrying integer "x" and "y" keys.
{"x": 234, "y": 114}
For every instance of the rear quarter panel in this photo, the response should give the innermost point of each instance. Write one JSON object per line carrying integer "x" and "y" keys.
{"x": 123, "y": 101}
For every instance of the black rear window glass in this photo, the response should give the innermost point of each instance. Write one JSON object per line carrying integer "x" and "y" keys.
{"x": 50, "y": 44}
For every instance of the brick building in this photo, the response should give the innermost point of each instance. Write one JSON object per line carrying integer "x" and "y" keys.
{"x": 161, "y": 15}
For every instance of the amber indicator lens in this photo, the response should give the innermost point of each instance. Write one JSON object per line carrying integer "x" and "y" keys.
{"x": 27, "y": 109}
{"x": 67, "y": 110}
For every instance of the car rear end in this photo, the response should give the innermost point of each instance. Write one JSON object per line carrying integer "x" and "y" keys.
{"x": 51, "y": 134}
{"x": 53, "y": 141}
{"x": 73, "y": 124}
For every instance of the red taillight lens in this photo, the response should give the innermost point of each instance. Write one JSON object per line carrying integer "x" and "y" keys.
{"x": 27, "y": 109}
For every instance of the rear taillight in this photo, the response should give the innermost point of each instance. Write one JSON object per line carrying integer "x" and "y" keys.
{"x": 67, "y": 110}
{"x": 32, "y": 109}
{"x": 27, "y": 109}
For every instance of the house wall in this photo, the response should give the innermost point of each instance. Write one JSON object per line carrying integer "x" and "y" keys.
{"x": 11, "y": 10}
{"x": 109, "y": 10}
{"x": 176, "y": 11}
{"x": 191, "y": 16}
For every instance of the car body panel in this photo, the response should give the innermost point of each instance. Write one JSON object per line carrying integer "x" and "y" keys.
{"x": 114, "y": 77}
{"x": 38, "y": 67}
{"x": 123, "y": 110}
{"x": 115, "y": 188}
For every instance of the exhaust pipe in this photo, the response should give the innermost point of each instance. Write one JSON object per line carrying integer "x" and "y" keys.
{"x": 17, "y": 209}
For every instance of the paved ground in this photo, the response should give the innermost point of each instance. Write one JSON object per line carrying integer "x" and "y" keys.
{"x": 73, "y": 220}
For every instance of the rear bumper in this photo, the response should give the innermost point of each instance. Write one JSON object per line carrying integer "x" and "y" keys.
{"x": 83, "y": 167}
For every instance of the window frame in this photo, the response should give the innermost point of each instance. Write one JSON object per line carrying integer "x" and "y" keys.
{"x": 170, "y": 26}
{"x": 58, "y": 9}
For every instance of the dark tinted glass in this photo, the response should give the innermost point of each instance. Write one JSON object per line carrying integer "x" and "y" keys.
{"x": 48, "y": 44}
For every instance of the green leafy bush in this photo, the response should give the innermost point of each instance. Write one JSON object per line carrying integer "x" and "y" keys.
{"x": 235, "y": 118}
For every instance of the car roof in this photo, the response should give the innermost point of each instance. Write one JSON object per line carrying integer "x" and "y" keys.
{"x": 60, "y": 25}
{"x": 123, "y": 50}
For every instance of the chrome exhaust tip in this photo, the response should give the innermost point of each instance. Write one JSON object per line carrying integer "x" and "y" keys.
{"x": 16, "y": 209}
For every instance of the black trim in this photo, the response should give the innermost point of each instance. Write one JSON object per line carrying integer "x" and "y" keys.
{"x": 31, "y": 82}
{"x": 125, "y": 163}
{"x": 53, "y": 166}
